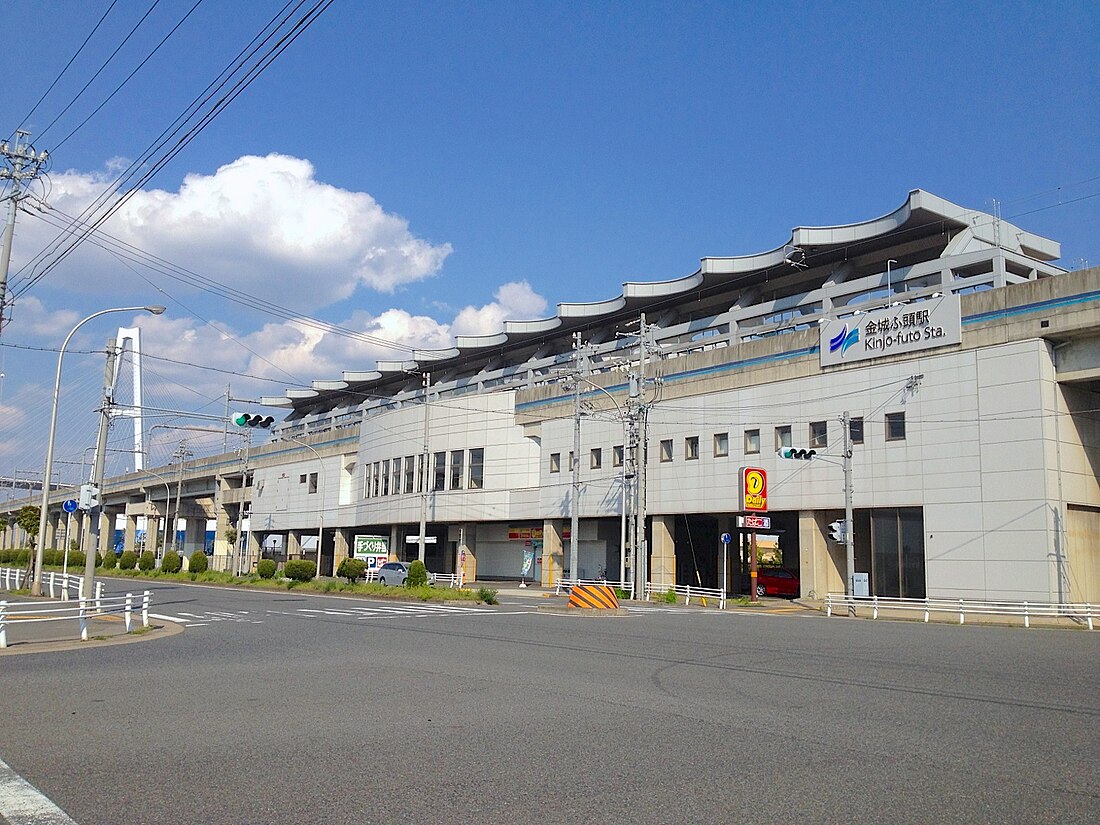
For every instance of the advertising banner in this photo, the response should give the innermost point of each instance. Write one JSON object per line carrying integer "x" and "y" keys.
{"x": 374, "y": 550}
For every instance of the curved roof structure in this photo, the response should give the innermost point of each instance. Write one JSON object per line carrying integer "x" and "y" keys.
{"x": 922, "y": 215}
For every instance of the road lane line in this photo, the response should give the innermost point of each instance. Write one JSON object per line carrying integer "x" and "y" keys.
{"x": 165, "y": 618}
{"x": 23, "y": 804}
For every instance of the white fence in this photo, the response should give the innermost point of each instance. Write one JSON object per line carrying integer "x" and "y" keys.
{"x": 60, "y": 585}
{"x": 449, "y": 579}
{"x": 688, "y": 591}
{"x": 568, "y": 584}
{"x": 962, "y": 607}
{"x": 18, "y": 613}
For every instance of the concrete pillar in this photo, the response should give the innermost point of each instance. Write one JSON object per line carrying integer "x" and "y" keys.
{"x": 396, "y": 551}
{"x": 194, "y": 535}
{"x": 822, "y": 562}
{"x": 86, "y": 532}
{"x": 52, "y": 520}
{"x": 662, "y": 561}
{"x": 253, "y": 553}
{"x": 129, "y": 534}
{"x": 106, "y": 532}
{"x": 341, "y": 543}
{"x": 553, "y": 558}
{"x": 467, "y": 557}
{"x": 294, "y": 544}
{"x": 223, "y": 548}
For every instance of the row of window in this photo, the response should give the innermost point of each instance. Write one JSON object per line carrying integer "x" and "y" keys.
{"x": 448, "y": 471}
{"x": 818, "y": 439}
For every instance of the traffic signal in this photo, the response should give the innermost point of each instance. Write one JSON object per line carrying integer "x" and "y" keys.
{"x": 89, "y": 497}
{"x": 791, "y": 452}
{"x": 838, "y": 531}
{"x": 243, "y": 419}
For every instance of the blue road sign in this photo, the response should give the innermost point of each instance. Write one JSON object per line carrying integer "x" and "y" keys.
{"x": 726, "y": 538}
{"x": 69, "y": 506}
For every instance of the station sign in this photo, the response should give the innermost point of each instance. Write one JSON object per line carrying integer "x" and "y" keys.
{"x": 754, "y": 522}
{"x": 754, "y": 490}
{"x": 892, "y": 330}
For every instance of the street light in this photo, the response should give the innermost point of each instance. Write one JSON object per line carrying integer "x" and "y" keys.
{"x": 622, "y": 505}
{"x": 36, "y": 587}
{"x": 321, "y": 490}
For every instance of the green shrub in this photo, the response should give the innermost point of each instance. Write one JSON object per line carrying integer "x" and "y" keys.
{"x": 76, "y": 559}
{"x": 670, "y": 596}
{"x": 171, "y": 563}
{"x": 352, "y": 569}
{"x": 266, "y": 568}
{"x": 22, "y": 556}
{"x": 108, "y": 562}
{"x": 147, "y": 561}
{"x": 5, "y": 556}
{"x": 49, "y": 558}
{"x": 300, "y": 570}
{"x": 74, "y": 545}
{"x": 418, "y": 574}
{"x": 128, "y": 560}
{"x": 197, "y": 562}
{"x": 487, "y": 595}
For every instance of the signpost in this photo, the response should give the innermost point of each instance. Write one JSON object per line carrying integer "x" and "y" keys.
{"x": 726, "y": 539}
{"x": 754, "y": 499}
{"x": 374, "y": 550}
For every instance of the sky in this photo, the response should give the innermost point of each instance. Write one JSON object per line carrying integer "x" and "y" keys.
{"x": 414, "y": 171}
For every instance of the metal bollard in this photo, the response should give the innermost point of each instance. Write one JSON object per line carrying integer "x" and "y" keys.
{"x": 3, "y": 624}
{"x": 1027, "y": 618}
{"x": 83, "y": 620}
{"x": 145, "y": 609}
{"x": 962, "y": 615}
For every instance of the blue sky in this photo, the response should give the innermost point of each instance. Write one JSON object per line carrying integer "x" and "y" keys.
{"x": 422, "y": 169}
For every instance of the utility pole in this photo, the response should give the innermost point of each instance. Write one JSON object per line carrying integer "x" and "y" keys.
{"x": 849, "y": 537}
{"x": 23, "y": 164}
{"x": 425, "y": 456}
{"x": 641, "y": 449}
{"x": 182, "y": 454}
{"x": 575, "y": 499}
{"x": 99, "y": 469}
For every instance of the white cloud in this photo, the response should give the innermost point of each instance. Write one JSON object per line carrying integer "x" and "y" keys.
{"x": 515, "y": 301}
{"x": 31, "y": 319}
{"x": 265, "y": 225}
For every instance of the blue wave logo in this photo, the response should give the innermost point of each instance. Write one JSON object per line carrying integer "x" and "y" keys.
{"x": 844, "y": 339}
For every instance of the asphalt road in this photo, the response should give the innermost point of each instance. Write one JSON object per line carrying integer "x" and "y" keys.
{"x": 292, "y": 708}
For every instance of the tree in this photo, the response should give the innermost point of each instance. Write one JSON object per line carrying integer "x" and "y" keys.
{"x": 27, "y": 518}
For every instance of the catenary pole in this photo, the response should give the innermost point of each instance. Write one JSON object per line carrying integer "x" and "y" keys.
{"x": 425, "y": 456}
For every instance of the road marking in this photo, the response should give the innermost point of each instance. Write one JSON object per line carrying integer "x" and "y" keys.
{"x": 23, "y": 804}
{"x": 204, "y": 619}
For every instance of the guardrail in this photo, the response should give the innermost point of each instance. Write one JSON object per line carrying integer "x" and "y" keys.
{"x": 60, "y": 584}
{"x": 963, "y": 607}
{"x": 85, "y": 609}
{"x": 568, "y": 584}
{"x": 688, "y": 592}
{"x": 450, "y": 579}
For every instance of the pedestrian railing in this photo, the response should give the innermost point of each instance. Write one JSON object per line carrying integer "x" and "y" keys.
{"x": 61, "y": 585}
{"x": 1086, "y": 613}
{"x": 19, "y": 613}
{"x": 688, "y": 591}
{"x": 567, "y": 585}
{"x": 449, "y": 579}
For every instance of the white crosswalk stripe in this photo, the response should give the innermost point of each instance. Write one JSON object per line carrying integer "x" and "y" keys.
{"x": 209, "y": 617}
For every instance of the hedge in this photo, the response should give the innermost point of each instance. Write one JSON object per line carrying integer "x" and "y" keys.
{"x": 171, "y": 563}
{"x": 197, "y": 563}
{"x": 300, "y": 570}
{"x": 266, "y": 568}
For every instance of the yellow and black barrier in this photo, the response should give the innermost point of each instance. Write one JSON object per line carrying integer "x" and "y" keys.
{"x": 593, "y": 597}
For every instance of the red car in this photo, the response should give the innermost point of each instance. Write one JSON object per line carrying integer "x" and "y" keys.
{"x": 775, "y": 581}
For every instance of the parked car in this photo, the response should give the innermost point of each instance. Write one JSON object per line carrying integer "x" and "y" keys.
{"x": 393, "y": 572}
{"x": 776, "y": 581}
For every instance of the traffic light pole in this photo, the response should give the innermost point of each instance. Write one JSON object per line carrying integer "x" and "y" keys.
{"x": 99, "y": 470}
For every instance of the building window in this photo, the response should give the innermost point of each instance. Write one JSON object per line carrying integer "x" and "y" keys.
{"x": 440, "y": 475}
{"x": 313, "y": 482}
{"x": 302, "y": 478}
{"x": 855, "y": 430}
{"x": 819, "y": 434}
{"x": 617, "y": 456}
{"x": 895, "y": 426}
{"x": 386, "y": 477}
{"x": 421, "y": 473}
{"x": 596, "y": 460}
{"x": 377, "y": 478}
{"x": 456, "y": 470}
{"x": 366, "y": 481}
{"x": 572, "y": 466}
{"x": 782, "y": 437}
{"x": 410, "y": 472}
{"x": 477, "y": 468}
{"x": 752, "y": 442}
{"x": 666, "y": 450}
{"x": 396, "y": 476}
{"x": 555, "y": 462}
{"x": 721, "y": 445}
{"x": 691, "y": 448}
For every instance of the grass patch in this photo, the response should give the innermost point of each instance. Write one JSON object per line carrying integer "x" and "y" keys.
{"x": 141, "y": 631}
